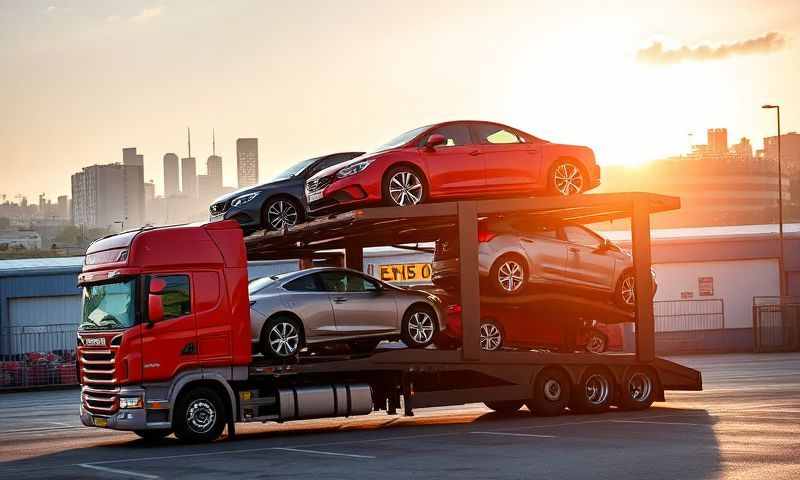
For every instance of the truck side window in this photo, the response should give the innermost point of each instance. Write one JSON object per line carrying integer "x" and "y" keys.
{"x": 177, "y": 296}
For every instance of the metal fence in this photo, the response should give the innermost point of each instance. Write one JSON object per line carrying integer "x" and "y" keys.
{"x": 38, "y": 355}
{"x": 689, "y": 315}
{"x": 776, "y": 324}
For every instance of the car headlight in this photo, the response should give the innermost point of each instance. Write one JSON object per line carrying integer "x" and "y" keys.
{"x": 242, "y": 199}
{"x": 353, "y": 169}
{"x": 131, "y": 402}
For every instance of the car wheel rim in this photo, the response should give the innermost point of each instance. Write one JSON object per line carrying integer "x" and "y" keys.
{"x": 597, "y": 389}
{"x": 420, "y": 327}
{"x": 628, "y": 290}
{"x": 405, "y": 188}
{"x": 281, "y": 214}
{"x": 639, "y": 387}
{"x": 284, "y": 339}
{"x": 510, "y": 276}
{"x": 596, "y": 344}
{"x": 552, "y": 390}
{"x": 568, "y": 179}
{"x": 491, "y": 338}
{"x": 201, "y": 415}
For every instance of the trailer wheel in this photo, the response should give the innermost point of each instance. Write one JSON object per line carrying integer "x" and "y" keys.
{"x": 638, "y": 389}
{"x": 551, "y": 392}
{"x": 505, "y": 407}
{"x": 419, "y": 326}
{"x": 199, "y": 416}
{"x": 152, "y": 435}
{"x": 594, "y": 393}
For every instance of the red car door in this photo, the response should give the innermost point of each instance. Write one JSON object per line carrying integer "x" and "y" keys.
{"x": 511, "y": 163}
{"x": 455, "y": 168}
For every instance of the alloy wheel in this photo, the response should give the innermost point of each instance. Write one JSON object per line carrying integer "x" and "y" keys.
{"x": 405, "y": 188}
{"x": 628, "y": 290}
{"x": 597, "y": 389}
{"x": 596, "y": 344}
{"x": 510, "y": 276}
{"x": 568, "y": 179}
{"x": 282, "y": 214}
{"x": 421, "y": 327}
{"x": 201, "y": 415}
{"x": 491, "y": 337}
{"x": 639, "y": 387}
{"x": 284, "y": 339}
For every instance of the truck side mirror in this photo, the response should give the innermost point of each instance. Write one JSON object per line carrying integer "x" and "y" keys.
{"x": 155, "y": 304}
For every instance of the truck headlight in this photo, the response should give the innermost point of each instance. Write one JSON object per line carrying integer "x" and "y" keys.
{"x": 131, "y": 402}
{"x": 242, "y": 199}
{"x": 353, "y": 169}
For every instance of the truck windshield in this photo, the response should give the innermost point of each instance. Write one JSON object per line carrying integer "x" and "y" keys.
{"x": 108, "y": 306}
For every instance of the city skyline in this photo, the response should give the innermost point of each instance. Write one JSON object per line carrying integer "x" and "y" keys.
{"x": 630, "y": 86}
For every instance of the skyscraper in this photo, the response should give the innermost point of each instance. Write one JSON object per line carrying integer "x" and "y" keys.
{"x": 99, "y": 196}
{"x": 718, "y": 140}
{"x": 133, "y": 173}
{"x": 189, "y": 171}
{"x": 214, "y": 166}
{"x": 171, "y": 175}
{"x": 247, "y": 161}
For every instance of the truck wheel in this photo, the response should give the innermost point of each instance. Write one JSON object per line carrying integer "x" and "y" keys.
{"x": 596, "y": 342}
{"x": 281, "y": 337}
{"x": 199, "y": 416}
{"x": 505, "y": 407}
{"x": 419, "y": 326}
{"x": 594, "y": 393}
{"x": 551, "y": 392}
{"x": 152, "y": 435}
{"x": 509, "y": 275}
{"x": 638, "y": 389}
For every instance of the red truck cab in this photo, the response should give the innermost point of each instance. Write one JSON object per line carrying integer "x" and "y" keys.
{"x": 160, "y": 304}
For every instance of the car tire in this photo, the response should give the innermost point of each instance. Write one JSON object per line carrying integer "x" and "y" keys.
{"x": 492, "y": 335}
{"x": 281, "y": 337}
{"x": 363, "y": 346}
{"x": 281, "y": 212}
{"x": 199, "y": 416}
{"x": 625, "y": 291}
{"x": 505, "y": 407}
{"x": 638, "y": 391}
{"x": 596, "y": 342}
{"x": 419, "y": 326}
{"x": 551, "y": 393}
{"x": 152, "y": 436}
{"x": 594, "y": 393}
{"x": 567, "y": 177}
{"x": 509, "y": 275}
{"x": 404, "y": 186}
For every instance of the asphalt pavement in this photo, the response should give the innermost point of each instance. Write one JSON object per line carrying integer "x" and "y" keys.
{"x": 744, "y": 425}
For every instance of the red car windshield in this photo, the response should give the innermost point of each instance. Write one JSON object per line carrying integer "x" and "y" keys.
{"x": 402, "y": 139}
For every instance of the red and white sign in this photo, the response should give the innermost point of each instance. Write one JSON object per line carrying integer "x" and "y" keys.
{"x": 705, "y": 285}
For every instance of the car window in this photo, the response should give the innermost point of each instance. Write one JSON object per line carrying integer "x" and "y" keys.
{"x": 495, "y": 134}
{"x": 454, "y": 135}
{"x": 581, "y": 236}
{"x": 358, "y": 283}
{"x": 333, "y": 281}
{"x": 306, "y": 283}
{"x": 538, "y": 229}
{"x": 176, "y": 297}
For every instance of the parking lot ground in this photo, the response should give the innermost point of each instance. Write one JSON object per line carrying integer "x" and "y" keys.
{"x": 744, "y": 425}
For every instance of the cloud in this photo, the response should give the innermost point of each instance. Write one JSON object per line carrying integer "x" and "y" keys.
{"x": 656, "y": 53}
{"x": 147, "y": 14}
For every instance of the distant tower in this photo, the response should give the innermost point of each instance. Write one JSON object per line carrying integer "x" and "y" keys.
{"x": 171, "y": 175}
{"x": 214, "y": 166}
{"x": 718, "y": 140}
{"x": 189, "y": 170}
{"x": 247, "y": 161}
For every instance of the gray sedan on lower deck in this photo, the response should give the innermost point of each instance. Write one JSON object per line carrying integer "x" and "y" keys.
{"x": 291, "y": 311}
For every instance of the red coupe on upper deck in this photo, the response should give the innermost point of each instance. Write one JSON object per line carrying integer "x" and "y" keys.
{"x": 462, "y": 159}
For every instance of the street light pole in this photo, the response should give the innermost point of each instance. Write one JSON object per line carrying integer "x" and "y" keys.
{"x": 780, "y": 201}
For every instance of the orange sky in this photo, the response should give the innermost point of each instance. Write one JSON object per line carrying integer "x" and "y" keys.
{"x": 83, "y": 79}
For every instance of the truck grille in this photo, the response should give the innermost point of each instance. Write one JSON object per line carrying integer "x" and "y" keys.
{"x": 100, "y": 388}
{"x": 318, "y": 184}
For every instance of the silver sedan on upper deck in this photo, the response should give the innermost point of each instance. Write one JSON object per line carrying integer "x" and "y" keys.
{"x": 294, "y": 310}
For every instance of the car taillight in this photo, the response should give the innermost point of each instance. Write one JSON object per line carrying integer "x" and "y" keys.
{"x": 453, "y": 309}
{"x": 485, "y": 236}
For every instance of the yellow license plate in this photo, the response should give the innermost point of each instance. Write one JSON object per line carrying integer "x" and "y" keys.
{"x": 100, "y": 422}
{"x": 405, "y": 272}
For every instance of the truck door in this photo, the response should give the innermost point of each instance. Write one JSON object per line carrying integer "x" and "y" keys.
{"x": 214, "y": 335}
{"x": 170, "y": 344}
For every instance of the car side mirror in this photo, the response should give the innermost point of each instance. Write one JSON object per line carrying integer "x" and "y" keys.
{"x": 434, "y": 141}
{"x": 605, "y": 246}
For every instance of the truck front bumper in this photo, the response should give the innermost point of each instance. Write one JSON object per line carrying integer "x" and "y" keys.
{"x": 147, "y": 418}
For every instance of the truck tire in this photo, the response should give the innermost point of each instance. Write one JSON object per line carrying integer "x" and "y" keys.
{"x": 551, "y": 392}
{"x": 638, "y": 389}
{"x": 594, "y": 393}
{"x": 199, "y": 416}
{"x": 419, "y": 327}
{"x": 505, "y": 407}
{"x": 152, "y": 435}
